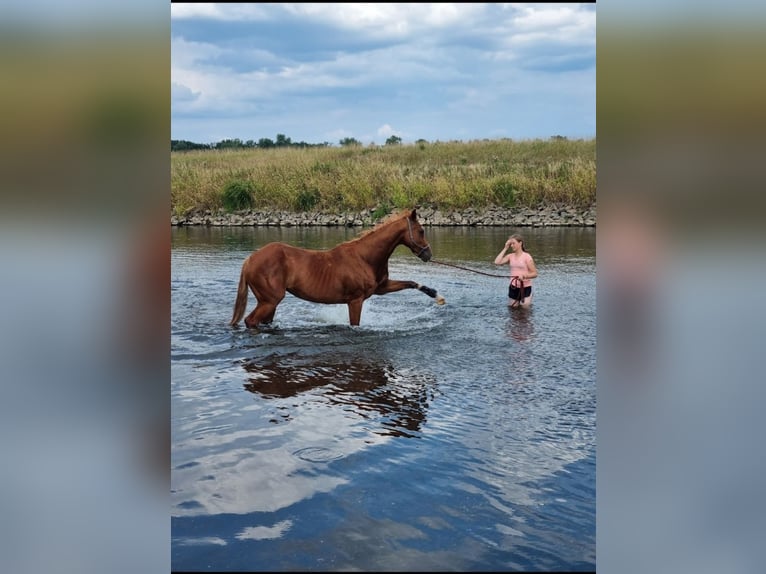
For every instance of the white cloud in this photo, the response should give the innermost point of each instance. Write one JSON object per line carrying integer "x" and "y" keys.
{"x": 388, "y": 19}
{"x": 185, "y": 54}
{"x": 375, "y": 19}
{"x": 213, "y": 11}
{"x": 201, "y": 541}
{"x": 201, "y": 10}
{"x": 333, "y": 71}
{"x": 385, "y": 131}
{"x": 551, "y": 22}
{"x": 265, "y": 532}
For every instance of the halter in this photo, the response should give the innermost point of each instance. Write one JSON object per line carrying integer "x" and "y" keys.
{"x": 412, "y": 238}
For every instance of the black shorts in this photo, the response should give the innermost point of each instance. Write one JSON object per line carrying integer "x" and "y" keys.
{"x": 513, "y": 292}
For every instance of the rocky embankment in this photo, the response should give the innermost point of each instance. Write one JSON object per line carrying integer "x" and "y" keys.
{"x": 550, "y": 216}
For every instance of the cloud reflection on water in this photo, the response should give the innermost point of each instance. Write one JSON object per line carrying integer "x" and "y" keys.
{"x": 299, "y": 430}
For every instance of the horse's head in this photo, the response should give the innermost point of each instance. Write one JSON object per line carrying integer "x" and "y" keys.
{"x": 415, "y": 237}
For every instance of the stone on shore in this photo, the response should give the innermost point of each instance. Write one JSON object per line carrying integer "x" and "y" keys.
{"x": 549, "y": 216}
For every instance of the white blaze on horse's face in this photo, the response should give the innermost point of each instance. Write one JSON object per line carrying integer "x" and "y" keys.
{"x": 417, "y": 238}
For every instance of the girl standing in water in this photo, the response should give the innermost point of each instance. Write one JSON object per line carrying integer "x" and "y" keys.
{"x": 523, "y": 270}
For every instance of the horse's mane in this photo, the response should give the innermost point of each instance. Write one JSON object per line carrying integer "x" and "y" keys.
{"x": 388, "y": 219}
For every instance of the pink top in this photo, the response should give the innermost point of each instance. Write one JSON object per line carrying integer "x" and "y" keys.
{"x": 519, "y": 265}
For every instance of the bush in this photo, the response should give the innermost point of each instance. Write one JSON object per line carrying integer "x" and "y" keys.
{"x": 307, "y": 200}
{"x": 504, "y": 193}
{"x": 238, "y": 194}
{"x": 381, "y": 211}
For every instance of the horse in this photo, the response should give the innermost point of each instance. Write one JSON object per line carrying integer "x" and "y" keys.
{"x": 349, "y": 273}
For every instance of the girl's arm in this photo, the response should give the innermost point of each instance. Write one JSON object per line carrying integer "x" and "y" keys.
{"x": 502, "y": 257}
{"x": 531, "y": 269}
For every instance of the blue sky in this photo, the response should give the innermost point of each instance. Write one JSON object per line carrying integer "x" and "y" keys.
{"x": 323, "y": 72}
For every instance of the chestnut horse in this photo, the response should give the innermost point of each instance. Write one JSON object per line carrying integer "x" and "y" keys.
{"x": 348, "y": 273}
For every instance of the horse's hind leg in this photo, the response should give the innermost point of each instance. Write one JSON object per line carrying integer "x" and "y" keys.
{"x": 266, "y": 307}
{"x": 268, "y": 291}
{"x": 262, "y": 314}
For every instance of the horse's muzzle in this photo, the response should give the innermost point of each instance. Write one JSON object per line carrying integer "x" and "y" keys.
{"x": 425, "y": 254}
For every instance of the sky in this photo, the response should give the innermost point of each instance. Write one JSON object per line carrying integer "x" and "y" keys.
{"x": 321, "y": 73}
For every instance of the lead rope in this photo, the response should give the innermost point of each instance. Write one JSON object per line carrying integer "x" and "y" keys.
{"x": 467, "y": 269}
{"x": 519, "y": 285}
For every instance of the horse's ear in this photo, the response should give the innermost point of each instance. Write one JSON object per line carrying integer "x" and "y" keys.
{"x": 413, "y": 214}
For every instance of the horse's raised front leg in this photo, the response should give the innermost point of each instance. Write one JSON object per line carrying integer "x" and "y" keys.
{"x": 392, "y": 285}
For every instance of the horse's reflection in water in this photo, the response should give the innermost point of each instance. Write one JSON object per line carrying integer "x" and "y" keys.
{"x": 399, "y": 398}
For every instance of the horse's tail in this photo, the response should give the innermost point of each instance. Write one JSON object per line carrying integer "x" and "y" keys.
{"x": 241, "y": 303}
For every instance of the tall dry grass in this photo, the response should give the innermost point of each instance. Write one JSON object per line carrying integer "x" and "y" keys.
{"x": 451, "y": 175}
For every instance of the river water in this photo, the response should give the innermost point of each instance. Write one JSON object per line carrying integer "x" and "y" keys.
{"x": 429, "y": 438}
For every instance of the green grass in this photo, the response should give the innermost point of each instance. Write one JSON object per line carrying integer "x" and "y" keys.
{"x": 446, "y": 175}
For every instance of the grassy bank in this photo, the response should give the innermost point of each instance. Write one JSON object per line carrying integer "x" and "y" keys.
{"x": 452, "y": 175}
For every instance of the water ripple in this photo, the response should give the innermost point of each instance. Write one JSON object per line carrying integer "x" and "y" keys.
{"x": 455, "y": 437}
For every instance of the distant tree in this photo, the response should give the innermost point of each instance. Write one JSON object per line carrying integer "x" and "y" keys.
{"x": 394, "y": 140}
{"x": 282, "y": 140}
{"x": 559, "y": 138}
{"x": 263, "y": 143}
{"x": 185, "y": 145}
{"x": 229, "y": 144}
{"x": 421, "y": 141}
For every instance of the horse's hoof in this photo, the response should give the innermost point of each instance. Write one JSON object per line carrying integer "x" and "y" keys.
{"x": 440, "y": 300}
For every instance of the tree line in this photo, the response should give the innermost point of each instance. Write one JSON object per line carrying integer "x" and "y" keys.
{"x": 282, "y": 141}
